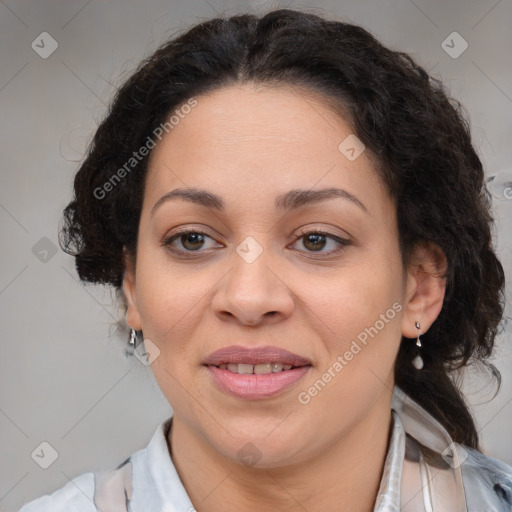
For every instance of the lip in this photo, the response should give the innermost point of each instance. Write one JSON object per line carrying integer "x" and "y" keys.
{"x": 253, "y": 386}
{"x": 238, "y": 354}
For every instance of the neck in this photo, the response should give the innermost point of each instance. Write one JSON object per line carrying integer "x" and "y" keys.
{"x": 346, "y": 473}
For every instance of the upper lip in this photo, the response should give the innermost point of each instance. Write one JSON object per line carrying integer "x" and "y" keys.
{"x": 236, "y": 354}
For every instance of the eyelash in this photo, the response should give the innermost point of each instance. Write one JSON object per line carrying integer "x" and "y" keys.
{"x": 343, "y": 242}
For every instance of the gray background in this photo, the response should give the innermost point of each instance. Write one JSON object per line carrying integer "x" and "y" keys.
{"x": 64, "y": 378}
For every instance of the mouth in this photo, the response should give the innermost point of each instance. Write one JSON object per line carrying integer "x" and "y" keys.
{"x": 255, "y": 373}
{"x": 257, "y": 369}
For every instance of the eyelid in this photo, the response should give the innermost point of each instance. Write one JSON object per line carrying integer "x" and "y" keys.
{"x": 191, "y": 228}
{"x": 303, "y": 230}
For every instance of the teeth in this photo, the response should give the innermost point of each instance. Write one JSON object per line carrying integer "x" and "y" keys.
{"x": 258, "y": 369}
{"x": 232, "y": 367}
{"x": 245, "y": 368}
{"x": 262, "y": 369}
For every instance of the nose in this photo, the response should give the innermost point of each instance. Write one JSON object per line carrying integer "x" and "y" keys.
{"x": 252, "y": 294}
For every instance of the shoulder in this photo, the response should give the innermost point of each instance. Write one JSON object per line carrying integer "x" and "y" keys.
{"x": 486, "y": 478}
{"x": 75, "y": 496}
{"x": 487, "y": 482}
{"x": 106, "y": 490}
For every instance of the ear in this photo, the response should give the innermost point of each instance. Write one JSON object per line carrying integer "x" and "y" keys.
{"x": 426, "y": 286}
{"x": 132, "y": 314}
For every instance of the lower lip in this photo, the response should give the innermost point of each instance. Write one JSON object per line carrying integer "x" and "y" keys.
{"x": 252, "y": 386}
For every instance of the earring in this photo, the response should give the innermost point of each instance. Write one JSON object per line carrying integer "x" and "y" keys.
{"x": 133, "y": 338}
{"x": 418, "y": 341}
{"x": 417, "y": 362}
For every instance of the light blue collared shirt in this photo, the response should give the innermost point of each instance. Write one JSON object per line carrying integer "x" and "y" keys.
{"x": 149, "y": 481}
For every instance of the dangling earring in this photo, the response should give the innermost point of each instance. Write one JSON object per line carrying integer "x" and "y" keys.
{"x": 417, "y": 362}
{"x": 418, "y": 341}
{"x": 133, "y": 338}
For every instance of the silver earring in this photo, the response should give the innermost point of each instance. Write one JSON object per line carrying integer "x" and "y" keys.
{"x": 133, "y": 341}
{"x": 418, "y": 341}
{"x": 133, "y": 338}
{"x": 417, "y": 362}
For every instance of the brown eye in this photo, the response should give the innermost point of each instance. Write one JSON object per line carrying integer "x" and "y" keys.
{"x": 316, "y": 241}
{"x": 190, "y": 241}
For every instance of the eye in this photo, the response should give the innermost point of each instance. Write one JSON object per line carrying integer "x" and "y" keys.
{"x": 317, "y": 240}
{"x": 190, "y": 241}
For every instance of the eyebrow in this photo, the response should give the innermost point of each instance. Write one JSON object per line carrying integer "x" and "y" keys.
{"x": 292, "y": 200}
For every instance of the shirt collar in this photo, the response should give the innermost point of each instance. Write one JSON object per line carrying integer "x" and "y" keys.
{"x": 388, "y": 497}
{"x": 160, "y": 468}
{"x": 175, "y": 498}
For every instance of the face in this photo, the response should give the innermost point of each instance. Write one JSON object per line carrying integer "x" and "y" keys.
{"x": 318, "y": 274}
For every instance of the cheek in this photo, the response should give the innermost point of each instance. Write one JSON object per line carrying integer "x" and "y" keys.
{"x": 353, "y": 298}
{"x": 360, "y": 331}
{"x": 170, "y": 305}
{"x": 166, "y": 298}
{"x": 360, "y": 314}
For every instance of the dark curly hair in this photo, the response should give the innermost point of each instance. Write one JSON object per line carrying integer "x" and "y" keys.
{"x": 417, "y": 134}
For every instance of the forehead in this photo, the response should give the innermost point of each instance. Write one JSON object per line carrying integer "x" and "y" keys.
{"x": 262, "y": 139}
{"x": 273, "y": 117}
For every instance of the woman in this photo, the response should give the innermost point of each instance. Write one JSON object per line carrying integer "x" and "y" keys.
{"x": 297, "y": 223}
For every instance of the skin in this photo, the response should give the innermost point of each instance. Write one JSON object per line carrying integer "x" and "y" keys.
{"x": 247, "y": 144}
